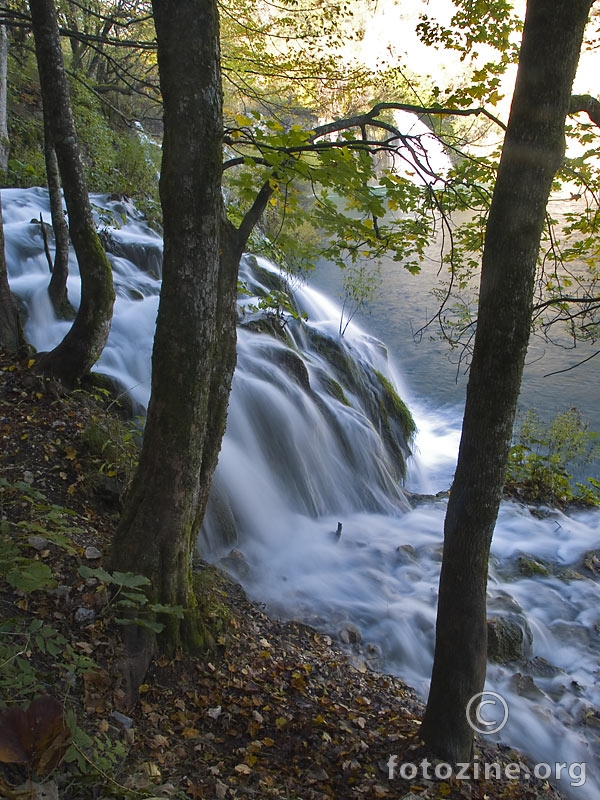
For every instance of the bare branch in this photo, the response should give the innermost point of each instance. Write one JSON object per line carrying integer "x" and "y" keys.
{"x": 573, "y": 366}
{"x": 368, "y": 118}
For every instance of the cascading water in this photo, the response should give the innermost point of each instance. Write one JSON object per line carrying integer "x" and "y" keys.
{"x": 312, "y": 441}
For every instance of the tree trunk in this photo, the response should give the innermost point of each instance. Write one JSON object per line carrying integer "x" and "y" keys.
{"x": 73, "y": 358}
{"x": 11, "y": 331}
{"x": 57, "y": 289}
{"x": 194, "y": 347}
{"x": 532, "y": 153}
{"x": 4, "y": 143}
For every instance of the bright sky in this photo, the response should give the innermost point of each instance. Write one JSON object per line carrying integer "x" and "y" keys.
{"x": 390, "y": 38}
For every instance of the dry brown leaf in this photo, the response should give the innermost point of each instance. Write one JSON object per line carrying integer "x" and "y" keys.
{"x": 37, "y": 736}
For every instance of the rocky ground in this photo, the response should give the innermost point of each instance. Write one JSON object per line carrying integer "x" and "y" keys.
{"x": 276, "y": 711}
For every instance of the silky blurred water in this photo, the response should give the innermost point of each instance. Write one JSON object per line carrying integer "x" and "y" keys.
{"x": 295, "y": 462}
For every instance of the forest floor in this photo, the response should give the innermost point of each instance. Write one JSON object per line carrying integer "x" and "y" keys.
{"x": 277, "y": 710}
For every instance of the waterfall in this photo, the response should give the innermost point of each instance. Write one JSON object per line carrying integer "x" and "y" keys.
{"x": 316, "y": 435}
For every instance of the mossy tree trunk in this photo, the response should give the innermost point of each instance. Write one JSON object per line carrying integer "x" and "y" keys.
{"x": 532, "y": 153}
{"x": 73, "y": 358}
{"x": 194, "y": 347}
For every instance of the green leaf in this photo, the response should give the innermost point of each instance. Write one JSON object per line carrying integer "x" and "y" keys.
{"x": 130, "y": 579}
{"x": 96, "y": 572}
{"x": 157, "y": 627}
{"x": 160, "y": 608}
{"x": 29, "y": 576}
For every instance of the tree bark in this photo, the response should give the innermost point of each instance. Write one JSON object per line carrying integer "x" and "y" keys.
{"x": 532, "y": 153}
{"x": 73, "y": 358}
{"x": 57, "y": 288}
{"x": 194, "y": 347}
{"x": 4, "y": 142}
{"x": 11, "y": 330}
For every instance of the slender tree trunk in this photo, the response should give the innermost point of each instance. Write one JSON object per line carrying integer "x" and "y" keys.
{"x": 73, "y": 358}
{"x": 194, "y": 347}
{"x": 57, "y": 289}
{"x": 532, "y": 153}
{"x": 4, "y": 142}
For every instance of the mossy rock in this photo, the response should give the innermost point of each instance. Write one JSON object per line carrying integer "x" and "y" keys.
{"x": 542, "y": 668}
{"x": 531, "y": 567}
{"x": 267, "y": 324}
{"x": 293, "y": 365}
{"x": 339, "y": 359}
{"x": 120, "y": 401}
{"x": 271, "y": 281}
{"x": 334, "y": 388}
{"x": 396, "y": 407}
{"x": 591, "y": 562}
{"x": 509, "y": 640}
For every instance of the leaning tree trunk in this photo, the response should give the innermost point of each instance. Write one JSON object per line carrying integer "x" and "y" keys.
{"x": 194, "y": 347}
{"x": 57, "y": 288}
{"x": 73, "y": 358}
{"x": 532, "y": 153}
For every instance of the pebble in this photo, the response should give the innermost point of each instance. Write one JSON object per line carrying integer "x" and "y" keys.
{"x": 122, "y": 719}
{"x": 37, "y": 542}
{"x": 83, "y": 615}
{"x": 92, "y": 553}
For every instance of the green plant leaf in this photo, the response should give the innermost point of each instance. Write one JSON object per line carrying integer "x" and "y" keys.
{"x": 29, "y": 576}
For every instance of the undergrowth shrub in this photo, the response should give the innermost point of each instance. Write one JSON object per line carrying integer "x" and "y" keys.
{"x": 546, "y": 456}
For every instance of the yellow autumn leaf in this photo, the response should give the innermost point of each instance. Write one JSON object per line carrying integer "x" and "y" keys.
{"x": 242, "y": 120}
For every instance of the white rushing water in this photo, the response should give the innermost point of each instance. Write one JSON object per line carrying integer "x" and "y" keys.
{"x": 297, "y": 460}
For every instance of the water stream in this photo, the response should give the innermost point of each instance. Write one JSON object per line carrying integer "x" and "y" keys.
{"x": 300, "y": 456}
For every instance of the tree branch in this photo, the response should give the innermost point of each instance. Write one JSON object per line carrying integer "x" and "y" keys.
{"x": 368, "y": 118}
{"x": 587, "y": 104}
{"x": 253, "y": 214}
{"x": 560, "y": 300}
{"x": 573, "y": 366}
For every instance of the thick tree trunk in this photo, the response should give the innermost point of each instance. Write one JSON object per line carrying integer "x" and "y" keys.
{"x": 194, "y": 346}
{"x": 11, "y": 331}
{"x": 4, "y": 143}
{"x": 57, "y": 288}
{"x": 73, "y": 358}
{"x": 532, "y": 153}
